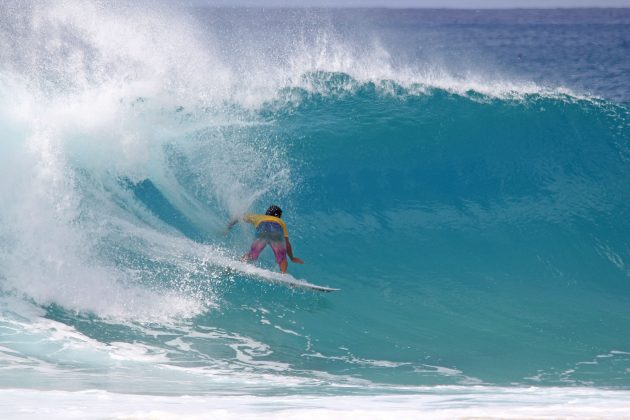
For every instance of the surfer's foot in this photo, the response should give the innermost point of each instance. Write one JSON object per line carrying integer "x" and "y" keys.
{"x": 246, "y": 258}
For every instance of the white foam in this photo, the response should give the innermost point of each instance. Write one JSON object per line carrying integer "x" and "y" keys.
{"x": 88, "y": 89}
{"x": 45, "y": 344}
{"x": 287, "y": 331}
{"x": 435, "y": 403}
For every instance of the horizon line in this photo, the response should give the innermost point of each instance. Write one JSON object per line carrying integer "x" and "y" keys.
{"x": 350, "y": 7}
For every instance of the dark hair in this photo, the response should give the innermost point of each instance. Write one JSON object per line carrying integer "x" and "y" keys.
{"x": 274, "y": 210}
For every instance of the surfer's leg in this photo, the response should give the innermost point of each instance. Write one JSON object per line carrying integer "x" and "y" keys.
{"x": 257, "y": 246}
{"x": 280, "y": 251}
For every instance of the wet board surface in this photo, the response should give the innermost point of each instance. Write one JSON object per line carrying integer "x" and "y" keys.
{"x": 278, "y": 278}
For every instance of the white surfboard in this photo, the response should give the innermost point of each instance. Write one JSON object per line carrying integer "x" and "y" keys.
{"x": 279, "y": 278}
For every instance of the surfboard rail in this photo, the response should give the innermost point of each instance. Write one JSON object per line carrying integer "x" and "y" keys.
{"x": 278, "y": 278}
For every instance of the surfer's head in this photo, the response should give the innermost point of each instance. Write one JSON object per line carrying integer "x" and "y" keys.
{"x": 274, "y": 210}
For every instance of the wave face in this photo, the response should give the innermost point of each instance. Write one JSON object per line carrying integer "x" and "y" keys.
{"x": 476, "y": 223}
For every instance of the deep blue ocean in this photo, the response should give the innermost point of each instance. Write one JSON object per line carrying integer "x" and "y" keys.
{"x": 463, "y": 176}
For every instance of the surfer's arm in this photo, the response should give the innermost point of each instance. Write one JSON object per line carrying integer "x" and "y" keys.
{"x": 230, "y": 225}
{"x": 249, "y": 218}
{"x": 290, "y": 252}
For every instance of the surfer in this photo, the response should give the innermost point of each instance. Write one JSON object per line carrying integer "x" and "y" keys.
{"x": 270, "y": 229}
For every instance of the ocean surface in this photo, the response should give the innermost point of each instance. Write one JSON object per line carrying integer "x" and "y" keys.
{"x": 462, "y": 176}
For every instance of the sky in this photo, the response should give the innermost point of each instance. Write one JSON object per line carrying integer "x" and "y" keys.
{"x": 465, "y": 4}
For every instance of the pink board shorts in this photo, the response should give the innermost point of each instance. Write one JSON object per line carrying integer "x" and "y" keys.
{"x": 272, "y": 234}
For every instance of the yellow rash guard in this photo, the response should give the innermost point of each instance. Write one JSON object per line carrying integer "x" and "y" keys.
{"x": 257, "y": 219}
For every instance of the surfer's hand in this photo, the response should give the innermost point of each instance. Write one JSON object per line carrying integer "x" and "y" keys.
{"x": 230, "y": 225}
{"x": 297, "y": 260}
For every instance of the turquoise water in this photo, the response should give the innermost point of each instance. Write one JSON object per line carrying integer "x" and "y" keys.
{"x": 468, "y": 195}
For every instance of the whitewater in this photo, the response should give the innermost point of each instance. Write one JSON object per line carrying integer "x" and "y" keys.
{"x": 461, "y": 176}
